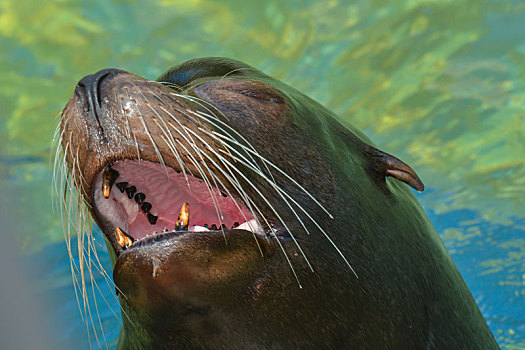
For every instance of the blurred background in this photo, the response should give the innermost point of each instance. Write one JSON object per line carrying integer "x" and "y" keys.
{"x": 440, "y": 84}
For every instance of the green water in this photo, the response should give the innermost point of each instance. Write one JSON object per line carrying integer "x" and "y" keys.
{"x": 440, "y": 84}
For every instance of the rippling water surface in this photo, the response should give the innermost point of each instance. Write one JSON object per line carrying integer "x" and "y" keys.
{"x": 440, "y": 84}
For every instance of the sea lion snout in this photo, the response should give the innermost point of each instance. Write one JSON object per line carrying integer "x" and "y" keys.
{"x": 89, "y": 88}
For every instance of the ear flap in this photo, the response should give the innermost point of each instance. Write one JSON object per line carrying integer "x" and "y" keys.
{"x": 385, "y": 164}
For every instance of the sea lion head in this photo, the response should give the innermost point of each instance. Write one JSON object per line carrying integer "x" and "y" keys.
{"x": 241, "y": 213}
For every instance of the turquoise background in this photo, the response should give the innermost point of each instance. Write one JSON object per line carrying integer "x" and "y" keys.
{"x": 440, "y": 84}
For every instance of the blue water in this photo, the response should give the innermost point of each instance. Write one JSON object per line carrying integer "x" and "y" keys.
{"x": 495, "y": 275}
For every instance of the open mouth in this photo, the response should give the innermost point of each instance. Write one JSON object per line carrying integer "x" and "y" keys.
{"x": 142, "y": 198}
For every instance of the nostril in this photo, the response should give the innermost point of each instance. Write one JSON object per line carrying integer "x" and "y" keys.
{"x": 80, "y": 89}
{"x": 97, "y": 88}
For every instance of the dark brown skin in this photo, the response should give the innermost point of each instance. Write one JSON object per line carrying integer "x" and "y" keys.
{"x": 192, "y": 290}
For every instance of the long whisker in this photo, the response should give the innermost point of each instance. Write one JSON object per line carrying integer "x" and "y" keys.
{"x": 257, "y": 190}
{"x": 230, "y": 177}
{"x": 279, "y": 170}
{"x": 262, "y": 196}
{"x": 201, "y": 172}
{"x": 146, "y": 129}
{"x": 216, "y": 166}
{"x": 276, "y": 214}
{"x": 277, "y": 188}
{"x": 197, "y": 150}
{"x": 237, "y": 70}
{"x": 168, "y": 139}
{"x": 214, "y": 121}
{"x": 308, "y": 215}
{"x": 266, "y": 201}
{"x": 74, "y": 217}
{"x": 246, "y": 163}
{"x": 125, "y": 121}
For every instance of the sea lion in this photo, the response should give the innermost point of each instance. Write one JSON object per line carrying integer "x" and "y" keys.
{"x": 241, "y": 214}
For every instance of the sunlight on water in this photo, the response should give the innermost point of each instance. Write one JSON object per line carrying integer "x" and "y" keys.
{"x": 440, "y": 84}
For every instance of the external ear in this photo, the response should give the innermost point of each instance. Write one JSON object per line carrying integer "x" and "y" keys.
{"x": 385, "y": 164}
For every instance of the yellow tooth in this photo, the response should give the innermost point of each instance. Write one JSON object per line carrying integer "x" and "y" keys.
{"x": 184, "y": 217}
{"x": 123, "y": 239}
{"x": 108, "y": 179}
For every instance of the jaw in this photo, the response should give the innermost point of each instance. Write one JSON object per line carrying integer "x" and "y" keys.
{"x": 221, "y": 244}
{"x": 174, "y": 286}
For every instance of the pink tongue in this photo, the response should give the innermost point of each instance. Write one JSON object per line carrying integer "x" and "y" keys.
{"x": 167, "y": 194}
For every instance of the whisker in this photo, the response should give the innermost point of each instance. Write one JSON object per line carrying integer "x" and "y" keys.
{"x": 146, "y": 129}
{"x": 74, "y": 217}
{"x": 244, "y": 196}
{"x": 198, "y": 151}
{"x": 280, "y": 171}
{"x": 133, "y": 133}
{"x": 213, "y": 120}
{"x": 193, "y": 160}
{"x": 169, "y": 139}
{"x": 168, "y": 84}
{"x": 266, "y": 201}
{"x": 125, "y": 119}
{"x": 299, "y": 206}
{"x": 273, "y": 210}
{"x": 325, "y": 234}
{"x": 237, "y": 70}
{"x": 262, "y": 196}
{"x": 93, "y": 283}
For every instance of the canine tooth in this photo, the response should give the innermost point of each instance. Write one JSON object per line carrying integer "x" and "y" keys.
{"x": 122, "y": 186}
{"x": 123, "y": 239}
{"x": 183, "y": 220}
{"x": 152, "y": 219}
{"x": 146, "y": 207}
{"x": 131, "y": 191}
{"x": 108, "y": 179}
{"x": 139, "y": 198}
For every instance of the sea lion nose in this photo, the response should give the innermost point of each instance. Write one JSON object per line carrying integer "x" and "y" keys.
{"x": 89, "y": 88}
